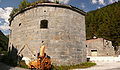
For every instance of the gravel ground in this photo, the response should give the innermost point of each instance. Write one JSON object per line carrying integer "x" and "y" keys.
{"x": 104, "y": 66}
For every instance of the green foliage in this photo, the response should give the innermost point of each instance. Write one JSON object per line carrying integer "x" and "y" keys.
{"x": 43, "y": 1}
{"x": 3, "y": 46}
{"x": 7, "y": 59}
{"x": 2, "y": 51}
{"x": 105, "y": 23}
{"x": 82, "y": 65}
{"x": 24, "y": 4}
{"x": 3, "y": 43}
{"x": 22, "y": 64}
{"x": 78, "y": 66}
{"x": 57, "y": 1}
{"x": 14, "y": 11}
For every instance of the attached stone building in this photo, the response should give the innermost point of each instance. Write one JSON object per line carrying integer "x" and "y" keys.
{"x": 117, "y": 52}
{"x": 99, "y": 47}
{"x": 61, "y": 27}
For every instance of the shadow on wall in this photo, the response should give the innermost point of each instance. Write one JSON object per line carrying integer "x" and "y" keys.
{"x": 10, "y": 58}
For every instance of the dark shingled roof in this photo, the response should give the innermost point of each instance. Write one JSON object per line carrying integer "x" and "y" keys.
{"x": 51, "y": 5}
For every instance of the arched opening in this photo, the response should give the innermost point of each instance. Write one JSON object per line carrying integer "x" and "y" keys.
{"x": 44, "y": 24}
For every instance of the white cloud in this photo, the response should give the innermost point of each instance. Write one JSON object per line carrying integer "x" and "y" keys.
{"x": 98, "y": 7}
{"x": 101, "y": 2}
{"x": 4, "y": 27}
{"x": 94, "y": 1}
{"x": 62, "y": 1}
{"x": 4, "y": 16}
{"x": 5, "y": 12}
{"x": 82, "y": 5}
{"x": 66, "y": 1}
{"x": 117, "y": 0}
{"x": 112, "y": 1}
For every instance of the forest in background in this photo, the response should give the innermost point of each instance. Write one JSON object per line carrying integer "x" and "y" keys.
{"x": 104, "y": 23}
{"x": 3, "y": 43}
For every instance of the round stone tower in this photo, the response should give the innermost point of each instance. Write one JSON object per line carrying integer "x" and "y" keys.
{"x": 60, "y": 27}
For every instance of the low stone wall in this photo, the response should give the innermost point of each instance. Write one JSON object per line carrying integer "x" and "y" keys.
{"x": 102, "y": 46}
{"x": 105, "y": 59}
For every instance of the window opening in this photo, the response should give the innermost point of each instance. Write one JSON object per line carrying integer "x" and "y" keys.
{"x": 93, "y": 50}
{"x": 20, "y": 24}
{"x": 44, "y": 24}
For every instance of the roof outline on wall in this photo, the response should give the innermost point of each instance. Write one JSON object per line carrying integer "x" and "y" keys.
{"x": 50, "y": 5}
{"x": 97, "y": 39}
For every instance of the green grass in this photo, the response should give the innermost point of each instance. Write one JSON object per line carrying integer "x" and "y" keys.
{"x": 81, "y": 65}
{"x": 22, "y": 64}
{"x": 78, "y": 66}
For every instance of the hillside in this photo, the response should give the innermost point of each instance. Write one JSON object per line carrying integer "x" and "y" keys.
{"x": 3, "y": 42}
{"x": 105, "y": 23}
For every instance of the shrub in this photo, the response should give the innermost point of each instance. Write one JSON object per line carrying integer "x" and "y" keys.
{"x": 22, "y": 64}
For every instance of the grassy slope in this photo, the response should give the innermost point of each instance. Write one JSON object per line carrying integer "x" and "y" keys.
{"x": 105, "y": 23}
{"x": 3, "y": 42}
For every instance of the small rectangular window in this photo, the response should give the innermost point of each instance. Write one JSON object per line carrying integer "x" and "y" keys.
{"x": 44, "y": 24}
{"x": 93, "y": 50}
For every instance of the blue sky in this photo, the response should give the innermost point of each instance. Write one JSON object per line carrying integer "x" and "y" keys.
{"x": 6, "y": 7}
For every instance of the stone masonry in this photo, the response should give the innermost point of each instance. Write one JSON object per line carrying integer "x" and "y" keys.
{"x": 102, "y": 46}
{"x": 64, "y": 36}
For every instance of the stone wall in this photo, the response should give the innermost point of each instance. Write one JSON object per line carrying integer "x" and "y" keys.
{"x": 117, "y": 51}
{"x": 103, "y": 47}
{"x": 64, "y": 38}
{"x": 105, "y": 59}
